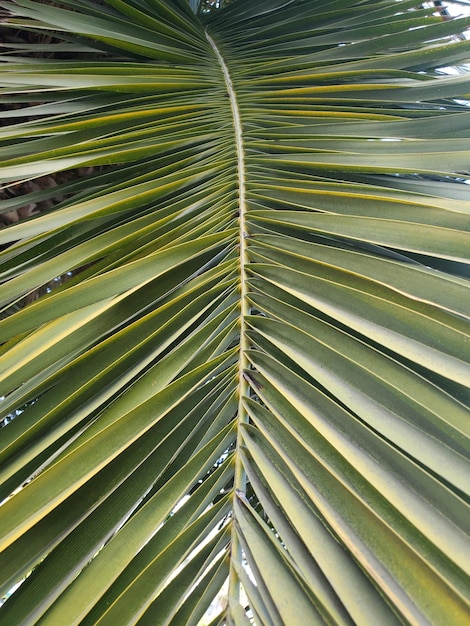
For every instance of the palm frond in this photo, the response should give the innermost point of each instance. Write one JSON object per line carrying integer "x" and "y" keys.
{"x": 254, "y": 365}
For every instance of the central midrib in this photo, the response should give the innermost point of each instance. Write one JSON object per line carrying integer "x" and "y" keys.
{"x": 239, "y": 482}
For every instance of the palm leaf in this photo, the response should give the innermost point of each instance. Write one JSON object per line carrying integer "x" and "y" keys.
{"x": 254, "y": 363}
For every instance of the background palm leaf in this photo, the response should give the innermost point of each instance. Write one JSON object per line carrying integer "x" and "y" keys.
{"x": 255, "y": 362}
